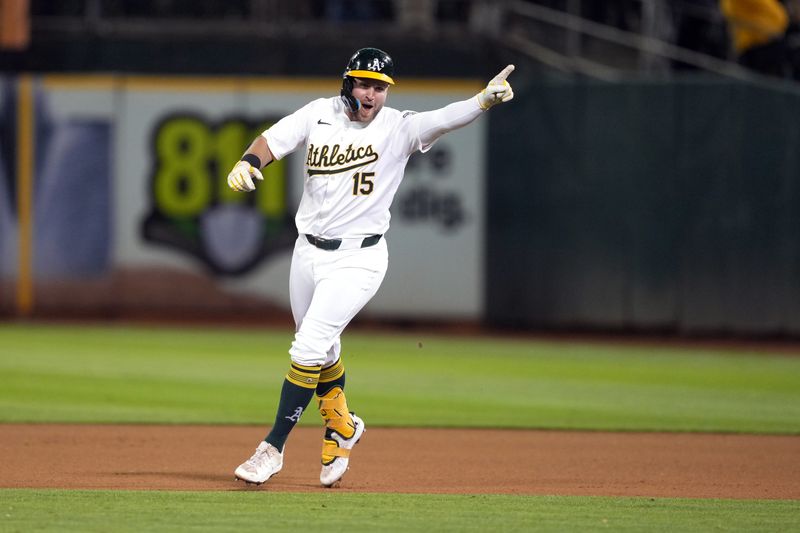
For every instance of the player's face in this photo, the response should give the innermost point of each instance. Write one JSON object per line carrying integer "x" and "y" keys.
{"x": 372, "y": 95}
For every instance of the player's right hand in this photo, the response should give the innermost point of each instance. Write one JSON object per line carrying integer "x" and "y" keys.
{"x": 498, "y": 90}
{"x": 241, "y": 177}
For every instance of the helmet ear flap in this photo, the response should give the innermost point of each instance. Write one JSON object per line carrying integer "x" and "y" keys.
{"x": 350, "y": 101}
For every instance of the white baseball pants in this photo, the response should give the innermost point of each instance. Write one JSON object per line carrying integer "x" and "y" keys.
{"x": 327, "y": 288}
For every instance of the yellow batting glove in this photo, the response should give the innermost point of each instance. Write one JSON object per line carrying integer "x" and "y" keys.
{"x": 498, "y": 90}
{"x": 241, "y": 177}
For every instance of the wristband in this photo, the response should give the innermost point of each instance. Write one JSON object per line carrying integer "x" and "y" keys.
{"x": 253, "y": 160}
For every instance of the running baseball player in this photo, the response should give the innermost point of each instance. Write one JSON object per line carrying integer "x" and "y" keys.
{"x": 356, "y": 151}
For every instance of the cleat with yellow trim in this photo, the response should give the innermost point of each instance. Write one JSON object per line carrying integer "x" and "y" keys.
{"x": 336, "y": 452}
{"x": 265, "y": 463}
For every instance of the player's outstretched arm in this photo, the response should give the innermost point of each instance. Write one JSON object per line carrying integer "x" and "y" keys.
{"x": 257, "y": 156}
{"x": 434, "y": 124}
{"x": 497, "y": 91}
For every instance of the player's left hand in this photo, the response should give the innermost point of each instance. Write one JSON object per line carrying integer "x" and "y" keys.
{"x": 498, "y": 90}
{"x": 241, "y": 177}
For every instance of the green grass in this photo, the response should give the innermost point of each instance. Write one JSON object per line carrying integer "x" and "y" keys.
{"x": 167, "y": 375}
{"x": 50, "y": 510}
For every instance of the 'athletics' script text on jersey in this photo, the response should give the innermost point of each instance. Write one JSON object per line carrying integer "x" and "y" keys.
{"x": 332, "y": 159}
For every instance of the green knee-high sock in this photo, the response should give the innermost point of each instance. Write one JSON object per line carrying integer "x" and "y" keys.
{"x": 330, "y": 377}
{"x": 297, "y": 391}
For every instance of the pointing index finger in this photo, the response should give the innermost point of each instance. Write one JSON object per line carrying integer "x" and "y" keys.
{"x": 504, "y": 73}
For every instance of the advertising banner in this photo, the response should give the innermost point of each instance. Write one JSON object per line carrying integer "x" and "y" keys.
{"x": 131, "y": 195}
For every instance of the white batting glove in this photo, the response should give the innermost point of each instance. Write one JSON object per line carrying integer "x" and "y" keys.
{"x": 241, "y": 177}
{"x": 498, "y": 90}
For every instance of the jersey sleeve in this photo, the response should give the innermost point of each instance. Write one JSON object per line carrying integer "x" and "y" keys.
{"x": 424, "y": 129}
{"x": 290, "y": 132}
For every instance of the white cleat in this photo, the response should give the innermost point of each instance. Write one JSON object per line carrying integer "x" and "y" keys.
{"x": 335, "y": 444}
{"x": 265, "y": 463}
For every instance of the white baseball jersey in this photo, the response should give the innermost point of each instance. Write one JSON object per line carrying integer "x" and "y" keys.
{"x": 352, "y": 169}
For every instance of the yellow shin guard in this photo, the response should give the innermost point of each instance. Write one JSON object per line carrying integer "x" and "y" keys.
{"x": 333, "y": 408}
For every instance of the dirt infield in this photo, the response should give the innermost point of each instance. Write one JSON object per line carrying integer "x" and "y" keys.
{"x": 408, "y": 460}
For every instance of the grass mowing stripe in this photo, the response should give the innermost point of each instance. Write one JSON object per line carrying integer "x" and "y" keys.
{"x": 52, "y": 510}
{"x": 181, "y": 375}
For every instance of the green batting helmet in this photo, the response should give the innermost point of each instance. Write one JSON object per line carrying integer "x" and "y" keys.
{"x": 365, "y": 63}
{"x": 370, "y": 63}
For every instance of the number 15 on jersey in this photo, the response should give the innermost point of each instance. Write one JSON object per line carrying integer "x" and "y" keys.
{"x": 363, "y": 183}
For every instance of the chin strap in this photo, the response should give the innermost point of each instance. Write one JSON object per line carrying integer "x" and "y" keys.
{"x": 350, "y": 102}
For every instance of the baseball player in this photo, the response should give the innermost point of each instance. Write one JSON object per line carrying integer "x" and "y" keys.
{"x": 356, "y": 151}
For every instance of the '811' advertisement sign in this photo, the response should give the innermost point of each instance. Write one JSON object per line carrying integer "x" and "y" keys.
{"x": 193, "y": 210}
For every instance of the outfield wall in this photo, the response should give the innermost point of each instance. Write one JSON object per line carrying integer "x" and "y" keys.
{"x": 664, "y": 206}
{"x": 646, "y": 205}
